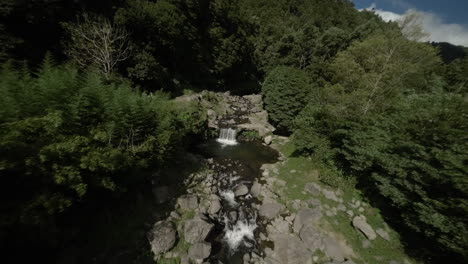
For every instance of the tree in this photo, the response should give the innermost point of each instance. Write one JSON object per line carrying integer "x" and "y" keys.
{"x": 94, "y": 40}
{"x": 285, "y": 92}
{"x": 415, "y": 157}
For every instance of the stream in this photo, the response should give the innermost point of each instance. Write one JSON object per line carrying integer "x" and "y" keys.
{"x": 236, "y": 166}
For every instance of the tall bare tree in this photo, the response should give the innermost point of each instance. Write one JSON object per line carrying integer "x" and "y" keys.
{"x": 94, "y": 40}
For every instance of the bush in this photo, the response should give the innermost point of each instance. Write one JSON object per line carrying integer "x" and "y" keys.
{"x": 285, "y": 93}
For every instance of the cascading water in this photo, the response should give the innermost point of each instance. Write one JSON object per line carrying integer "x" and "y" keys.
{"x": 236, "y": 226}
{"x": 227, "y": 136}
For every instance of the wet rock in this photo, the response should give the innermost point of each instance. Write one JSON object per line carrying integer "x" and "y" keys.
{"x": 256, "y": 189}
{"x": 199, "y": 251}
{"x": 305, "y": 217}
{"x": 187, "y": 202}
{"x": 267, "y": 140}
{"x": 162, "y": 194}
{"x": 196, "y": 230}
{"x": 162, "y": 237}
{"x": 241, "y": 190}
{"x": 383, "y": 234}
{"x": 270, "y": 210}
{"x": 359, "y": 222}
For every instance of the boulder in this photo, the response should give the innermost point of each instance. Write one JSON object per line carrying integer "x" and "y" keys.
{"x": 312, "y": 188}
{"x": 330, "y": 195}
{"x": 270, "y": 210}
{"x": 267, "y": 140}
{"x": 306, "y": 217}
{"x": 215, "y": 204}
{"x": 312, "y": 238}
{"x": 333, "y": 249}
{"x": 187, "y": 202}
{"x": 256, "y": 189}
{"x": 288, "y": 249}
{"x": 199, "y": 251}
{"x": 162, "y": 237}
{"x": 196, "y": 230}
{"x": 383, "y": 234}
{"x": 241, "y": 190}
{"x": 360, "y": 223}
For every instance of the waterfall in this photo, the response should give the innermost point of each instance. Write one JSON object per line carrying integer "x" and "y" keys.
{"x": 227, "y": 136}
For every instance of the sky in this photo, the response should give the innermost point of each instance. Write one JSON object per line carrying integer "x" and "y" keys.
{"x": 444, "y": 20}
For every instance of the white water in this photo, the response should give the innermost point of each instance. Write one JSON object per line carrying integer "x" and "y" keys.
{"x": 229, "y": 196}
{"x": 227, "y": 136}
{"x": 237, "y": 234}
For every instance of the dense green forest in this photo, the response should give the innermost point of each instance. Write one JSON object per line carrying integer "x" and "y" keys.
{"x": 86, "y": 88}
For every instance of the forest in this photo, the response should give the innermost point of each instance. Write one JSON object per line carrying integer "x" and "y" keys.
{"x": 86, "y": 115}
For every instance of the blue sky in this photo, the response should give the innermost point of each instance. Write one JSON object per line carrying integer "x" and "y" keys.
{"x": 444, "y": 20}
{"x": 451, "y": 11}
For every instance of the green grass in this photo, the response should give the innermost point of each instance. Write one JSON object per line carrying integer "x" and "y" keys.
{"x": 312, "y": 170}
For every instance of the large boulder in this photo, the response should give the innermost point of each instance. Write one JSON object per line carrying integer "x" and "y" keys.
{"x": 196, "y": 230}
{"x": 360, "y": 223}
{"x": 162, "y": 237}
{"x": 267, "y": 140}
{"x": 333, "y": 249}
{"x": 187, "y": 202}
{"x": 199, "y": 251}
{"x": 288, "y": 249}
{"x": 270, "y": 210}
{"x": 312, "y": 238}
{"x": 215, "y": 204}
{"x": 241, "y": 190}
{"x": 306, "y": 217}
{"x": 256, "y": 189}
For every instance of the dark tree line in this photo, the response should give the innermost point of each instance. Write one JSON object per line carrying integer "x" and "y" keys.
{"x": 349, "y": 88}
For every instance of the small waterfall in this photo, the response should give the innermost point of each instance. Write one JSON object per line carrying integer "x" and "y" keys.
{"x": 227, "y": 136}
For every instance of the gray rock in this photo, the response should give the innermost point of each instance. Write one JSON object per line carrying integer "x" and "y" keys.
{"x": 196, "y": 230}
{"x": 341, "y": 207}
{"x": 187, "y": 202}
{"x": 312, "y": 188}
{"x": 306, "y": 217}
{"x": 199, "y": 251}
{"x": 241, "y": 190}
{"x": 270, "y": 210}
{"x": 162, "y": 237}
{"x": 360, "y": 223}
{"x": 333, "y": 249}
{"x": 312, "y": 238}
{"x": 161, "y": 194}
{"x": 256, "y": 189}
{"x": 314, "y": 202}
{"x": 215, "y": 204}
{"x": 267, "y": 140}
{"x": 350, "y": 213}
{"x": 383, "y": 234}
{"x": 330, "y": 195}
{"x": 288, "y": 249}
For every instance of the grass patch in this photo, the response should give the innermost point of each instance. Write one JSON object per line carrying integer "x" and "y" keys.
{"x": 297, "y": 171}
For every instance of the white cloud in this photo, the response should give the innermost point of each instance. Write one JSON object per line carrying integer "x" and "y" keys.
{"x": 432, "y": 24}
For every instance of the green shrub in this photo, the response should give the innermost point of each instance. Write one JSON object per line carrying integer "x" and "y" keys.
{"x": 285, "y": 92}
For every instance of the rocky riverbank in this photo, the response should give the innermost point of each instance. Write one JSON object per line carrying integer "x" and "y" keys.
{"x": 276, "y": 213}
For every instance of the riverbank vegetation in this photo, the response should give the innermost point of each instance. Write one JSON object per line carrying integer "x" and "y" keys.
{"x": 86, "y": 89}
